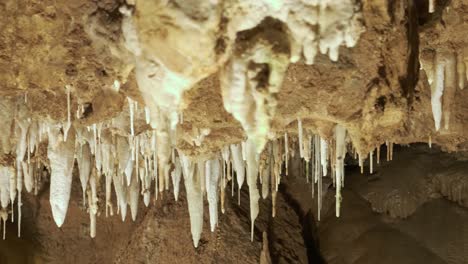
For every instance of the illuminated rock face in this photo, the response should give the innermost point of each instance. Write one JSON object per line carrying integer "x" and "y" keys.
{"x": 250, "y": 44}
{"x": 145, "y": 94}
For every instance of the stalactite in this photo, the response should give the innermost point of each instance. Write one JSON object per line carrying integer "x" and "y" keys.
{"x": 232, "y": 182}
{"x": 28, "y": 176}
{"x": 378, "y": 154}
{"x": 95, "y": 143}
{"x": 266, "y": 171}
{"x": 21, "y": 149}
{"x": 361, "y": 163}
{"x": 340, "y": 137}
{"x": 450, "y": 83}
{"x": 387, "y": 144}
{"x": 324, "y": 156}
{"x": 389, "y": 151}
{"x": 121, "y": 194}
{"x": 137, "y": 157}
{"x": 321, "y": 172}
{"x": 147, "y": 115}
{"x": 154, "y": 166}
{"x": 265, "y": 175}
{"x": 84, "y": 166}
{"x": 166, "y": 177}
{"x": 4, "y": 218}
{"x": 286, "y": 153}
{"x": 445, "y": 71}
{"x": 274, "y": 193}
{"x": 306, "y": 154}
{"x": 300, "y": 133}
{"x": 212, "y": 174}
{"x": 108, "y": 156}
{"x": 132, "y": 113}
{"x": 316, "y": 157}
{"x": 124, "y": 157}
{"x": 61, "y": 157}
{"x": 252, "y": 172}
{"x": 67, "y": 126}
{"x": 332, "y": 158}
{"x": 371, "y": 162}
{"x": 176, "y": 175}
{"x": 278, "y": 160}
{"x": 93, "y": 202}
{"x": 5, "y": 173}
{"x": 133, "y": 196}
{"x": 109, "y": 206}
{"x": 226, "y": 174}
{"x": 146, "y": 182}
{"x": 201, "y": 175}
{"x": 275, "y": 169}
{"x": 194, "y": 197}
{"x": 239, "y": 166}
{"x": 92, "y": 216}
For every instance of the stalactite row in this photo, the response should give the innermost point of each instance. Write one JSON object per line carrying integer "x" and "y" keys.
{"x": 319, "y": 153}
{"x": 28, "y": 167}
{"x": 131, "y": 165}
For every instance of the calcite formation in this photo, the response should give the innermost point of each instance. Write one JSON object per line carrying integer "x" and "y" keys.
{"x": 146, "y": 94}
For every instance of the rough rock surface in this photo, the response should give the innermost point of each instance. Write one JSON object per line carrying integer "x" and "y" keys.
{"x": 197, "y": 76}
{"x": 375, "y": 89}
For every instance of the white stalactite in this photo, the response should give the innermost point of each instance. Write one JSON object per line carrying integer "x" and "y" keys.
{"x": 121, "y": 194}
{"x": 61, "y": 157}
{"x": 324, "y": 156}
{"x": 21, "y": 149}
{"x": 319, "y": 172}
{"x": 147, "y": 115}
{"x": 450, "y": 87}
{"x": 131, "y": 111}
{"x": 252, "y": 172}
{"x": 67, "y": 126}
{"x": 5, "y": 173}
{"x": 194, "y": 198}
{"x": 176, "y": 175}
{"x": 133, "y": 197}
{"x": 286, "y": 152}
{"x": 444, "y": 70}
{"x": 201, "y": 175}
{"x": 92, "y": 203}
{"x": 84, "y": 166}
{"x": 28, "y": 176}
{"x": 212, "y": 174}
{"x": 340, "y": 137}
{"x": 301, "y": 138}
{"x": 226, "y": 172}
{"x": 239, "y": 166}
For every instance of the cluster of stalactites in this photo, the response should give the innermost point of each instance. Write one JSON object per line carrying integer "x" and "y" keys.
{"x": 319, "y": 153}
{"x": 445, "y": 70}
{"x": 132, "y": 164}
{"x": 27, "y": 169}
